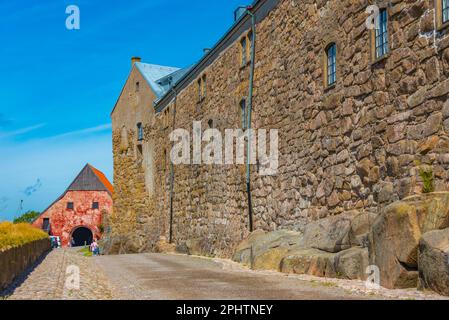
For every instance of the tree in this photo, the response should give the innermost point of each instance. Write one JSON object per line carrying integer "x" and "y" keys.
{"x": 27, "y": 217}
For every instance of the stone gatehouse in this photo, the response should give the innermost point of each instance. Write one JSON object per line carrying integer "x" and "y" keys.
{"x": 360, "y": 105}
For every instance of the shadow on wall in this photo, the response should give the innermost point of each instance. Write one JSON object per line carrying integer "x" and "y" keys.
{"x": 20, "y": 276}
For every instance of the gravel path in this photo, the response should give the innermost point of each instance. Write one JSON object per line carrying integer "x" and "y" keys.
{"x": 179, "y": 277}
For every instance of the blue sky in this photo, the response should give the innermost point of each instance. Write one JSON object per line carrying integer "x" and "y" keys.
{"x": 58, "y": 86}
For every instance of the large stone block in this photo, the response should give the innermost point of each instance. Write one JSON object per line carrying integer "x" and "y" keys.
{"x": 395, "y": 236}
{"x": 309, "y": 261}
{"x": 331, "y": 234}
{"x": 433, "y": 261}
{"x": 352, "y": 263}
{"x": 259, "y": 243}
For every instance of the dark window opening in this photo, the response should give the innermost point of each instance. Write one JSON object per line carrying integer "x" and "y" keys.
{"x": 46, "y": 225}
{"x": 139, "y": 132}
{"x": 244, "y": 51}
{"x": 70, "y": 205}
{"x": 139, "y": 149}
{"x": 243, "y": 112}
{"x": 250, "y": 44}
{"x": 95, "y": 205}
{"x": 137, "y": 86}
{"x": 199, "y": 90}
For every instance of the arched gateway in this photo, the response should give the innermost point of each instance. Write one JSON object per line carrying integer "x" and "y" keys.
{"x": 81, "y": 236}
{"x": 83, "y": 205}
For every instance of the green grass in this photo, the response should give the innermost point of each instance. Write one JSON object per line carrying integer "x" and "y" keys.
{"x": 328, "y": 284}
{"x": 85, "y": 251}
{"x": 16, "y": 235}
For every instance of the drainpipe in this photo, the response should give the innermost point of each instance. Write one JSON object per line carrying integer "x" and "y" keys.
{"x": 172, "y": 176}
{"x": 248, "y": 120}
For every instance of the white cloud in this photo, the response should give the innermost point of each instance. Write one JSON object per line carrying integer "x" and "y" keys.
{"x": 9, "y": 134}
{"x": 96, "y": 129}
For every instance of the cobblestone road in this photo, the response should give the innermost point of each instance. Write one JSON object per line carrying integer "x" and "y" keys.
{"x": 48, "y": 280}
{"x": 159, "y": 276}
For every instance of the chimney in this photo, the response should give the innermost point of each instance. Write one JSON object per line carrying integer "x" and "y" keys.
{"x": 239, "y": 12}
{"x": 206, "y": 50}
{"x": 134, "y": 60}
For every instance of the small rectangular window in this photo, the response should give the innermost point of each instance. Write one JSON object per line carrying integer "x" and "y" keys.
{"x": 445, "y": 11}
{"x": 70, "y": 205}
{"x": 46, "y": 225}
{"x": 204, "y": 86}
{"x": 243, "y": 113}
{"x": 139, "y": 132}
{"x": 95, "y": 205}
{"x": 381, "y": 36}
{"x": 137, "y": 86}
{"x": 200, "y": 89}
{"x": 331, "y": 64}
{"x": 250, "y": 45}
{"x": 243, "y": 51}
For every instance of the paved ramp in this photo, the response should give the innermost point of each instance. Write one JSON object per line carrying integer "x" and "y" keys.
{"x": 158, "y": 276}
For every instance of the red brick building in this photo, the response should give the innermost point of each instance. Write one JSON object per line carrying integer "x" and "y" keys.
{"x": 76, "y": 216}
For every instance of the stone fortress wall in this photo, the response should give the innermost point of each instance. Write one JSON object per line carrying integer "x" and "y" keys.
{"x": 359, "y": 144}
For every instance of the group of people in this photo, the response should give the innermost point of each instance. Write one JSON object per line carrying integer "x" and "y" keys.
{"x": 93, "y": 247}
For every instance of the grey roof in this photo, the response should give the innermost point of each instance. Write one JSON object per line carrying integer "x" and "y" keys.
{"x": 153, "y": 74}
{"x": 87, "y": 180}
{"x": 169, "y": 81}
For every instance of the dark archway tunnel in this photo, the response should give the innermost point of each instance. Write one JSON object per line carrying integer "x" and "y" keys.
{"x": 81, "y": 236}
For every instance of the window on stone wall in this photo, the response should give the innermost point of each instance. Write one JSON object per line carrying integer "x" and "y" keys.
{"x": 139, "y": 132}
{"x": 95, "y": 205}
{"x": 243, "y": 112}
{"x": 381, "y": 34}
{"x": 137, "y": 86}
{"x": 243, "y": 51}
{"x": 445, "y": 11}
{"x": 202, "y": 83}
{"x": 204, "y": 86}
{"x": 69, "y": 205}
{"x": 200, "y": 89}
{"x": 250, "y": 45}
{"x": 330, "y": 65}
{"x": 442, "y": 14}
{"x": 164, "y": 160}
{"x": 139, "y": 150}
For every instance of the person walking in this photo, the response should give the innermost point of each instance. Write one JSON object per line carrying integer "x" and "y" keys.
{"x": 94, "y": 248}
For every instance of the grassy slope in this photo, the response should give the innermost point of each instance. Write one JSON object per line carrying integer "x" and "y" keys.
{"x": 15, "y": 235}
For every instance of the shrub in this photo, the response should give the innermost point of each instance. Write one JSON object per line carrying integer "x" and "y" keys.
{"x": 15, "y": 235}
{"x": 426, "y": 174}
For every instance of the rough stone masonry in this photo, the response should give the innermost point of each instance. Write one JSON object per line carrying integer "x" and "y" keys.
{"x": 359, "y": 144}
